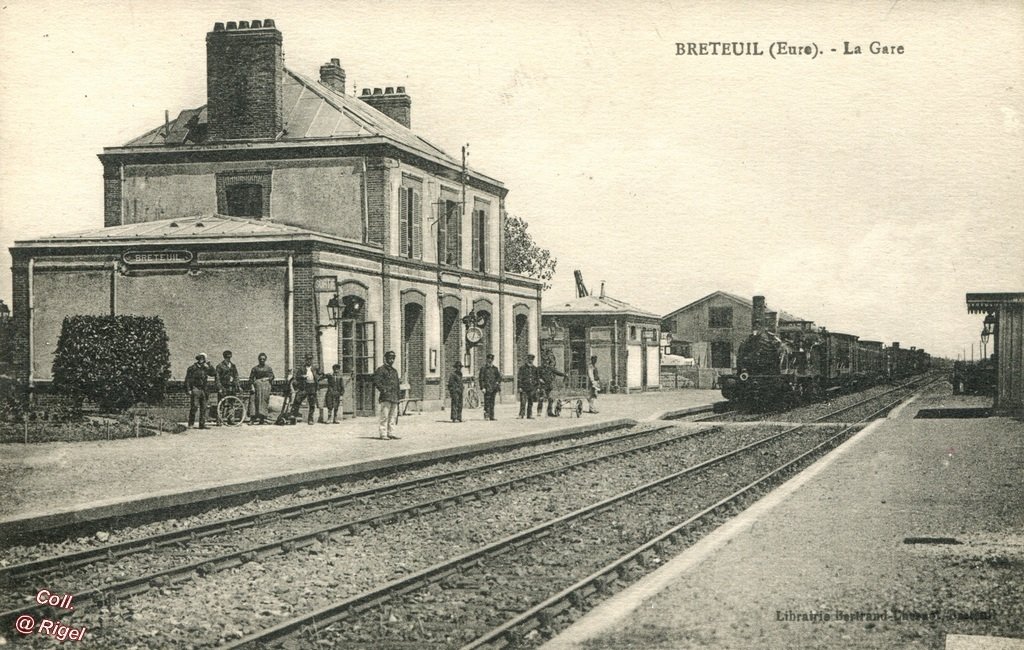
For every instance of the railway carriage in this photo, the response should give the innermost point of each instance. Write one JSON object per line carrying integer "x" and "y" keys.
{"x": 797, "y": 360}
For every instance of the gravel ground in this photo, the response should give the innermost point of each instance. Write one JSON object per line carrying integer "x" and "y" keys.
{"x": 838, "y": 547}
{"x": 27, "y": 552}
{"x": 225, "y": 605}
{"x": 810, "y": 412}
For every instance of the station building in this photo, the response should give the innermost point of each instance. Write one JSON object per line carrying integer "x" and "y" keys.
{"x": 625, "y": 340}
{"x": 1004, "y": 324}
{"x": 288, "y": 217}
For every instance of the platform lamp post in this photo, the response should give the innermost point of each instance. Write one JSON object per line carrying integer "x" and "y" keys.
{"x": 987, "y": 330}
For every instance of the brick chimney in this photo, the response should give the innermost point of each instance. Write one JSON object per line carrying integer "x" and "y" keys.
{"x": 757, "y": 315}
{"x": 332, "y": 75}
{"x": 393, "y": 102}
{"x": 244, "y": 78}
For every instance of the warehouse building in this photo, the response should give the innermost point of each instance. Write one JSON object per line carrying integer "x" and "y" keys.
{"x": 288, "y": 217}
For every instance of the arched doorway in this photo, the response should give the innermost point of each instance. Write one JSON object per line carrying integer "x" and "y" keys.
{"x": 451, "y": 340}
{"x": 413, "y": 348}
{"x": 521, "y": 339}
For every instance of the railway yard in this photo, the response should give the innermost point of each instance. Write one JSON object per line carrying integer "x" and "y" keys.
{"x": 499, "y": 547}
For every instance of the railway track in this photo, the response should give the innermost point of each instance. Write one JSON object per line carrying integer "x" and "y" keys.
{"x": 288, "y": 528}
{"x": 466, "y": 584}
{"x": 186, "y": 545}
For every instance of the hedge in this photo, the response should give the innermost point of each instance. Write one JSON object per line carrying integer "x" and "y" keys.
{"x": 115, "y": 361}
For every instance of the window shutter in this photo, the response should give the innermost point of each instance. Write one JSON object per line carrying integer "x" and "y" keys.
{"x": 476, "y": 240}
{"x": 417, "y": 225}
{"x": 403, "y": 222}
{"x": 442, "y": 232}
{"x": 483, "y": 241}
{"x": 457, "y": 242}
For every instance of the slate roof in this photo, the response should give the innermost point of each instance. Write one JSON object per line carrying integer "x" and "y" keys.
{"x": 312, "y": 111}
{"x": 216, "y": 226}
{"x": 596, "y": 306}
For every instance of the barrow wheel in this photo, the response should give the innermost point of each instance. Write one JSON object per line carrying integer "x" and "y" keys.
{"x": 556, "y": 407}
{"x": 231, "y": 411}
{"x": 472, "y": 399}
{"x": 579, "y": 408}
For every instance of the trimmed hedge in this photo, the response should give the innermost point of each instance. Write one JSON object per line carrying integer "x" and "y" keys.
{"x": 115, "y": 361}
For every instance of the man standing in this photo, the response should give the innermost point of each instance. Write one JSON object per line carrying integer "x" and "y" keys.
{"x": 547, "y": 374}
{"x": 593, "y": 384}
{"x": 195, "y": 386}
{"x": 527, "y": 387}
{"x": 335, "y": 389}
{"x": 306, "y": 382}
{"x": 490, "y": 384}
{"x": 455, "y": 390}
{"x": 385, "y": 380}
{"x": 227, "y": 381}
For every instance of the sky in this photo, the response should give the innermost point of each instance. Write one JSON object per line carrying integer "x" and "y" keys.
{"x": 868, "y": 192}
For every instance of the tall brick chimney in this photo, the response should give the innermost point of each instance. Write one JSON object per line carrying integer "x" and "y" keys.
{"x": 392, "y": 102}
{"x": 332, "y": 75}
{"x": 757, "y": 315}
{"x": 244, "y": 79}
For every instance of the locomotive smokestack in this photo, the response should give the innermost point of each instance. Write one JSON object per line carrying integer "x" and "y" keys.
{"x": 757, "y": 316}
{"x": 771, "y": 321}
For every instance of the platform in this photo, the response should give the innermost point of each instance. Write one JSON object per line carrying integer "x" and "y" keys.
{"x": 56, "y": 484}
{"x": 911, "y": 531}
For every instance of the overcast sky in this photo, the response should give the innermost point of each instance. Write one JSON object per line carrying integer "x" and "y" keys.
{"x": 868, "y": 193}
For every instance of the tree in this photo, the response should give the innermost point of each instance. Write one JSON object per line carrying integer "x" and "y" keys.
{"x": 523, "y": 255}
{"x": 115, "y": 361}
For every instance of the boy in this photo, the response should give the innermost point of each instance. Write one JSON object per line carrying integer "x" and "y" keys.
{"x": 335, "y": 389}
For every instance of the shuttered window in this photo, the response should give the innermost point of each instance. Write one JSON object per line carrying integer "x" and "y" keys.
{"x": 410, "y": 223}
{"x": 479, "y": 240}
{"x": 449, "y": 234}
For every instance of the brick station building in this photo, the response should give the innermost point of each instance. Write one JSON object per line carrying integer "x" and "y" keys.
{"x": 237, "y": 222}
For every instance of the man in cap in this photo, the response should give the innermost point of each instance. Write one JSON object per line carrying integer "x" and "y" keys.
{"x": 195, "y": 386}
{"x": 490, "y": 384}
{"x": 527, "y": 387}
{"x": 307, "y": 380}
{"x": 227, "y": 380}
{"x": 455, "y": 391}
{"x": 593, "y": 384}
{"x": 386, "y": 381}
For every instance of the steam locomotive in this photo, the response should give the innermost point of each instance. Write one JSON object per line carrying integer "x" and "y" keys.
{"x": 794, "y": 361}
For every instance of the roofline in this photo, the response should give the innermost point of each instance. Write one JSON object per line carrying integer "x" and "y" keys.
{"x": 305, "y": 143}
{"x": 726, "y": 294}
{"x": 602, "y": 313}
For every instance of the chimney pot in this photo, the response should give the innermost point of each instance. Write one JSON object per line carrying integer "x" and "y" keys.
{"x": 336, "y": 62}
{"x": 232, "y": 24}
{"x": 400, "y": 90}
{"x": 268, "y": 23}
{"x": 367, "y": 91}
{"x": 218, "y": 27}
{"x": 243, "y": 24}
{"x": 389, "y": 90}
{"x": 377, "y": 91}
{"x": 257, "y": 24}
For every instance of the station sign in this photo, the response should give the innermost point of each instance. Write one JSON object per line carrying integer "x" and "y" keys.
{"x": 156, "y": 258}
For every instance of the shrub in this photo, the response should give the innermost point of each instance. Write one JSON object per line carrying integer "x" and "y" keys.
{"x": 115, "y": 361}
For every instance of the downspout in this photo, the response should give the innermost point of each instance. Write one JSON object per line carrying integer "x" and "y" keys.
{"x": 113, "y": 288}
{"x": 366, "y": 205}
{"x": 615, "y": 354}
{"x": 31, "y": 337}
{"x": 289, "y": 324}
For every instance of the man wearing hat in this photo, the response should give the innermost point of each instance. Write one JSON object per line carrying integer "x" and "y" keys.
{"x": 195, "y": 386}
{"x": 527, "y": 387}
{"x": 227, "y": 380}
{"x": 387, "y": 383}
{"x": 490, "y": 384}
{"x": 455, "y": 391}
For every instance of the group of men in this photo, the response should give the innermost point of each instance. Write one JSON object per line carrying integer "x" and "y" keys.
{"x": 306, "y": 385}
{"x": 535, "y": 385}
